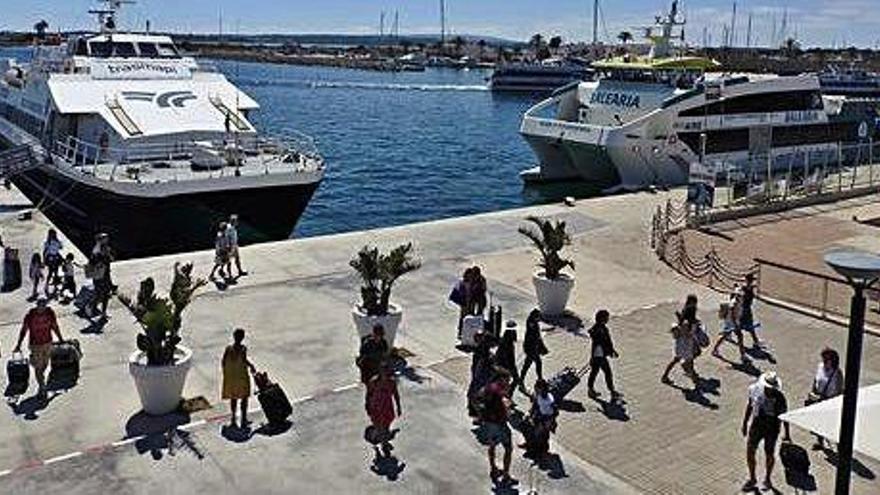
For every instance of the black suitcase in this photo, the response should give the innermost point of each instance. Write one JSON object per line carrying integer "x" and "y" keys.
{"x": 18, "y": 369}
{"x": 565, "y": 381}
{"x": 64, "y": 359}
{"x": 494, "y": 323}
{"x": 85, "y": 300}
{"x": 11, "y": 270}
{"x": 276, "y": 406}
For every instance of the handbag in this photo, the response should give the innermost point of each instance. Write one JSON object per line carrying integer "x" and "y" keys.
{"x": 814, "y": 397}
{"x": 457, "y": 295}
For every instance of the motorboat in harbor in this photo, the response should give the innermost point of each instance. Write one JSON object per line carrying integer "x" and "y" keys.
{"x": 647, "y": 119}
{"x": 128, "y": 136}
{"x": 538, "y": 77}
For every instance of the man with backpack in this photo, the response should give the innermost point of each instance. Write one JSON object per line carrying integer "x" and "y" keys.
{"x": 39, "y": 325}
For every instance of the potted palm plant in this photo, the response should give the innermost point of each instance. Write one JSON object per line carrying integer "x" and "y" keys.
{"x": 552, "y": 285}
{"x": 160, "y": 365}
{"x": 378, "y": 272}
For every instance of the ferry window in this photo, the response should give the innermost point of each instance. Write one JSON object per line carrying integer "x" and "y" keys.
{"x": 124, "y": 50}
{"x": 100, "y": 49}
{"x": 167, "y": 50}
{"x": 148, "y": 50}
{"x": 759, "y": 103}
{"x": 81, "y": 48}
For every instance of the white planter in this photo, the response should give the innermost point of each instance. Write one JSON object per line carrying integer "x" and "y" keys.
{"x": 390, "y": 322}
{"x": 552, "y": 294}
{"x": 160, "y": 387}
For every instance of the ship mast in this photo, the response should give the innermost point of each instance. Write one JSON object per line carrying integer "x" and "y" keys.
{"x": 107, "y": 15}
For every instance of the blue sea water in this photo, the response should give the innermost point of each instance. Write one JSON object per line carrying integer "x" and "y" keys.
{"x": 400, "y": 147}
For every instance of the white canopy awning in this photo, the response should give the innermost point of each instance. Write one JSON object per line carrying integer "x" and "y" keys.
{"x": 154, "y": 106}
{"x": 823, "y": 418}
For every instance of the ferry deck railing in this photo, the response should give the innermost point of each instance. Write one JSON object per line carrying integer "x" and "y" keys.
{"x": 94, "y": 159}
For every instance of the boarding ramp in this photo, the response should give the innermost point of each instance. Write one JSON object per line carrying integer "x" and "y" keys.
{"x": 17, "y": 160}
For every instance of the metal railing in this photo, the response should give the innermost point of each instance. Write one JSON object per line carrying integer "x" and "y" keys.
{"x": 710, "y": 268}
{"x": 826, "y": 295}
{"x": 296, "y": 148}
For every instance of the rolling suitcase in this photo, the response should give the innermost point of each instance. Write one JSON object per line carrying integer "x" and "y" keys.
{"x": 471, "y": 325}
{"x": 565, "y": 381}
{"x": 276, "y": 406}
{"x": 85, "y": 300}
{"x": 18, "y": 369}
{"x": 494, "y": 323}
{"x": 64, "y": 359}
{"x": 11, "y": 270}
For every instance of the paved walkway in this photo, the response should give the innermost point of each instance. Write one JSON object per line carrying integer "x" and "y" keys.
{"x": 323, "y": 452}
{"x": 672, "y": 439}
{"x": 296, "y": 305}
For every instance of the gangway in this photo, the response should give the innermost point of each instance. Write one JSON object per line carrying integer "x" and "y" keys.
{"x": 17, "y": 160}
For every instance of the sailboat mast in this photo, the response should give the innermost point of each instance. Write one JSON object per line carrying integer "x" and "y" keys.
{"x": 595, "y": 22}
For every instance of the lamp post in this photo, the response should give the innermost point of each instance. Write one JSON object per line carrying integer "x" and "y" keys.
{"x": 861, "y": 270}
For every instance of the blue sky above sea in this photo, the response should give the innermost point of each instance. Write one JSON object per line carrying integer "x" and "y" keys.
{"x": 815, "y": 22}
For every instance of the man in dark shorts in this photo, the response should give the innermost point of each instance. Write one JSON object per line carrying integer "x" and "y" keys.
{"x": 761, "y": 423}
{"x": 495, "y": 415}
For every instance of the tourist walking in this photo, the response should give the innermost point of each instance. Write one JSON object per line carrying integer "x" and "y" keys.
{"x": 236, "y": 380}
{"x": 761, "y": 423}
{"x": 494, "y": 420}
{"x": 482, "y": 369}
{"x": 373, "y": 352}
{"x": 683, "y": 333}
{"x": 827, "y": 383}
{"x": 68, "y": 282}
{"x": 533, "y": 348}
{"x": 602, "y": 350}
{"x": 36, "y": 273}
{"x": 461, "y": 296}
{"x": 52, "y": 247}
{"x": 39, "y": 325}
{"x": 381, "y": 399}
{"x": 746, "y": 314}
{"x": 221, "y": 252}
{"x": 543, "y": 421}
{"x": 729, "y": 316}
{"x": 478, "y": 292}
{"x": 103, "y": 253}
{"x": 232, "y": 243}
{"x": 505, "y": 355}
{"x": 99, "y": 270}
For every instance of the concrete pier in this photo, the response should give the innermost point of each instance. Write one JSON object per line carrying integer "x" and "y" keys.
{"x": 296, "y": 303}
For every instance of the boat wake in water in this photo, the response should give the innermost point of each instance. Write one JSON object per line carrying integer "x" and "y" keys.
{"x": 316, "y": 84}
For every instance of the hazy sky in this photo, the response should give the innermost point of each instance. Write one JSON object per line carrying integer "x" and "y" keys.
{"x": 826, "y": 22}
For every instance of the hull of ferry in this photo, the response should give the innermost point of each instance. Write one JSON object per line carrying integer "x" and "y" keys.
{"x": 174, "y": 223}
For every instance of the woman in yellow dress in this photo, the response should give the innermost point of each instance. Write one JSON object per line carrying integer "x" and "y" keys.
{"x": 236, "y": 381}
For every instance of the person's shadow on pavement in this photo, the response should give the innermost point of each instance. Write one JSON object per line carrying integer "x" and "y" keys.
{"x": 614, "y": 409}
{"x": 28, "y": 408}
{"x": 385, "y": 464}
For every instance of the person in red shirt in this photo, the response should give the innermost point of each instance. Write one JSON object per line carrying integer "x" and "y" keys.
{"x": 39, "y": 325}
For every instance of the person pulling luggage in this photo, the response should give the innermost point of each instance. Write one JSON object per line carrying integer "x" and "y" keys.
{"x": 39, "y": 325}
{"x": 542, "y": 418}
{"x": 236, "y": 381}
{"x": 602, "y": 349}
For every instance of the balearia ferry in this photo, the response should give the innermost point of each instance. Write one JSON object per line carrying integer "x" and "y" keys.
{"x": 128, "y": 136}
{"x": 647, "y": 119}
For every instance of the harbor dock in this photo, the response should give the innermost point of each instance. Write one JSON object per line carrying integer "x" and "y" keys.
{"x": 296, "y": 306}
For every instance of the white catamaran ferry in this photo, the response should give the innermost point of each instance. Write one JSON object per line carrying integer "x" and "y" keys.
{"x": 121, "y": 133}
{"x": 647, "y": 119}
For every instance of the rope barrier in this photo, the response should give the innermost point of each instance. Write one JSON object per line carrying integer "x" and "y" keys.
{"x": 668, "y": 243}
